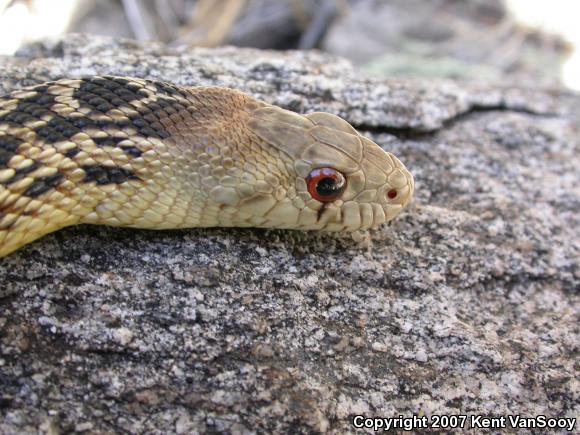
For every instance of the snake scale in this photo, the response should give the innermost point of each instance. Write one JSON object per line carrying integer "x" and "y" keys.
{"x": 146, "y": 154}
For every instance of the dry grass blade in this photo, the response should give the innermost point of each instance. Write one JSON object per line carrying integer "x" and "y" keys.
{"x": 316, "y": 29}
{"x": 137, "y": 20}
{"x": 212, "y": 22}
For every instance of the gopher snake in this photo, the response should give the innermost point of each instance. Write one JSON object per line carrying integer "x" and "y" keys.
{"x": 138, "y": 153}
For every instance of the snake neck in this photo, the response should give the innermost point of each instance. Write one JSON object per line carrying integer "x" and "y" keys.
{"x": 114, "y": 151}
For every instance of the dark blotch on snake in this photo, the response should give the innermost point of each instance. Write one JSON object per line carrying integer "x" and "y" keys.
{"x": 42, "y": 185}
{"x": 73, "y": 152}
{"x": 103, "y": 93}
{"x": 113, "y": 141}
{"x": 36, "y": 107}
{"x": 21, "y": 173}
{"x": 132, "y": 151}
{"x": 8, "y": 148}
{"x": 17, "y": 118}
{"x": 107, "y": 174}
{"x": 58, "y": 129}
{"x": 168, "y": 89}
{"x": 32, "y": 107}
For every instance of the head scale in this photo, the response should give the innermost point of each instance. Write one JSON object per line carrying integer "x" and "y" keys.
{"x": 375, "y": 186}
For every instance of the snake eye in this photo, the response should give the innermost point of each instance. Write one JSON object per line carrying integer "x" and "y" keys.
{"x": 392, "y": 194}
{"x": 325, "y": 184}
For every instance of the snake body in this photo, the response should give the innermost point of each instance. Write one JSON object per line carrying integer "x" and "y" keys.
{"x": 139, "y": 153}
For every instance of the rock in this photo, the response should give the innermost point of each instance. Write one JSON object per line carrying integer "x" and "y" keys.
{"x": 466, "y": 304}
{"x": 470, "y": 40}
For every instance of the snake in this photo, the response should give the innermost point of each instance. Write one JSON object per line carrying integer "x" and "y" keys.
{"x": 132, "y": 152}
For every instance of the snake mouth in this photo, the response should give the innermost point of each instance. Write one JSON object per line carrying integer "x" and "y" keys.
{"x": 350, "y": 216}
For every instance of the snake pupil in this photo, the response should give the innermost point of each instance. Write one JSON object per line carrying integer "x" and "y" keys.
{"x": 327, "y": 187}
{"x": 326, "y": 184}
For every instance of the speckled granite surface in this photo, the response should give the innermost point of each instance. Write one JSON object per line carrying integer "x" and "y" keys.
{"x": 466, "y": 304}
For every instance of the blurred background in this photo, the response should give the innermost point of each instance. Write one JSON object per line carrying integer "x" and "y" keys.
{"x": 533, "y": 42}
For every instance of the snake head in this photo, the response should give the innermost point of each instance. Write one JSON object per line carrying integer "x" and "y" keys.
{"x": 337, "y": 179}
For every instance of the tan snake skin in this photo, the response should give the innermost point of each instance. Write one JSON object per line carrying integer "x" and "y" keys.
{"x": 137, "y": 153}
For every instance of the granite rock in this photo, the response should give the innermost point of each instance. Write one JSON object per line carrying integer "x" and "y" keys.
{"x": 468, "y": 303}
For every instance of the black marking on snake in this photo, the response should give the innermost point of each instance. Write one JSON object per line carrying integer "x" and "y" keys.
{"x": 132, "y": 151}
{"x": 44, "y": 184}
{"x": 58, "y": 129}
{"x": 98, "y": 93}
{"x": 150, "y": 128}
{"x": 168, "y": 89}
{"x": 72, "y": 152}
{"x": 84, "y": 122}
{"x": 8, "y": 148}
{"x": 162, "y": 106}
{"x": 101, "y": 94}
{"x": 107, "y": 174}
{"x": 113, "y": 141}
{"x": 21, "y": 173}
{"x": 41, "y": 98}
{"x": 64, "y": 126}
{"x": 32, "y": 107}
{"x": 41, "y": 89}
{"x": 37, "y": 106}
{"x": 18, "y": 118}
